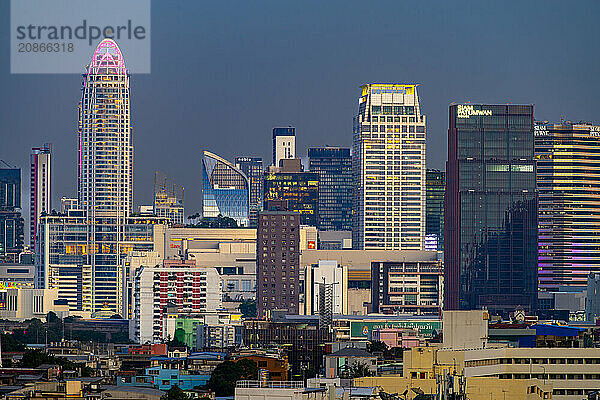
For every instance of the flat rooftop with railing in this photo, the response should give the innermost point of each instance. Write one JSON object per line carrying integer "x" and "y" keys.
{"x": 270, "y": 384}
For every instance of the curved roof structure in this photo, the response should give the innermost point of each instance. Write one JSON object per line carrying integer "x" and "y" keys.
{"x": 225, "y": 189}
{"x": 107, "y": 59}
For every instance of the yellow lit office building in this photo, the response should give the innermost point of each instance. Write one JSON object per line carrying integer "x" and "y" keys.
{"x": 388, "y": 163}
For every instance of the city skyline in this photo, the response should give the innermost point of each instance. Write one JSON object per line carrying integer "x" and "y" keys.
{"x": 292, "y": 200}
{"x": 319, "y": 121}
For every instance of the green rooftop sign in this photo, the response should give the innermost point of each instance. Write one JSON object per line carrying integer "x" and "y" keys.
{"x": 363, "y": 330}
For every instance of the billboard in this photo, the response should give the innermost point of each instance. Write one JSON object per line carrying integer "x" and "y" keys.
{"x": 364, "y": 329}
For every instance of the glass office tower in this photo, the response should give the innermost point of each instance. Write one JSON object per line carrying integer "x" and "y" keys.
{"x": 435, "y": 186}
{"x": 252, "y": 167}
{"x": 297, "y": 191}
{"x": 334, "y": 166}
{"x": 491, "y": 209}
{"x": 388, "y": 167}
{"x": 225, "y": 189}
{"x": 568, "y": 181}
{"x": 11, "y": 221}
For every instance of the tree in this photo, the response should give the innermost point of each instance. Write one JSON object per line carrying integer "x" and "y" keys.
{"x": 35, "y": 358}
{"x": 52, "y": 318}
{"x": 212, "y": 222}
{"x": 377, "y": 347}
{"x": 193, "y": 217}
{"x": 175, "y": 393}
{"x": 248, "y": 308}
{"x": 10, "y": 343}
{"x": 358, "y": 370}
{"x": 178, "y": 339}
{"x": 223, "y": 379}
{"x": 249, "y": 369}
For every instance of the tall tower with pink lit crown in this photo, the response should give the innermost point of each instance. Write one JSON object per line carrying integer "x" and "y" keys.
{"x": 105, "y": 173}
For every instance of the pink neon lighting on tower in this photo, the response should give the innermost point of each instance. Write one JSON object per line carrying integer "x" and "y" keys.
{"x": 107, "y": 56}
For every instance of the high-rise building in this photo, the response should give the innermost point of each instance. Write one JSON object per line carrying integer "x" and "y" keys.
{"x": 64, "y": 261}
{"x": 11, "y": 221}
{"x": 435, "y": 186}
{"x": 168, "y": 200}
{"x": 226, "y": 190}
{"x": 413, "y": 287}
{"x": 388, "y": 162}
{"x": 490, "y": 248}
{"x": 568, "y": 183}
{"x": 277, "y": 262}
{"x": 284, "y": 144}
{"x": 40, "y": 193}
{"x": 105, "y": 174}
{"x": 191, "y": 289}
{"x": 68, "y": 204}
{"x": 325, "y": 289}
{"x": 334, "y": 166}
{"x": 293, "y": 190}
{"x": 252, "y": 167}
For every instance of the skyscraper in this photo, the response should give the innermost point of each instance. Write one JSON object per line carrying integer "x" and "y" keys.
{"x": 490, "y": 249}
{"x": 277, "y": 262}
{"x": 293, "y": 190}
{"x": 105, "y": 174}
{"x": 226, "y": 190}
{"x": 11, "y": 221}
{"x": 334, "y": 166}
{"x": 40, "y": 187}
{"x": 388, "y": 163}
{"x": 568, "y": 183}
{"x": 252, "y": 167}
{"x": 284, "y": 144}
{"x": 434, "y": 204}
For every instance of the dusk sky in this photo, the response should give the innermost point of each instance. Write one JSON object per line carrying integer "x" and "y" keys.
{"x": 224, "y": 73}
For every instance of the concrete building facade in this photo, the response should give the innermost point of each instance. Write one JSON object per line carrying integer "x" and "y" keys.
{"x": 191, "y": 289}
{"x": 278, "y": 257}
{"x": 284, "y": 144}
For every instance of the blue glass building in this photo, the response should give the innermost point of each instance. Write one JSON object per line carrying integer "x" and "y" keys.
{"x": 226, "y": 190}
{"x": 11, "y": 221}
{"x": 334, "y": 166}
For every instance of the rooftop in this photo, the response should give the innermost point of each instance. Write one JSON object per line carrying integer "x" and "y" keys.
{"x": 351, "y": 352}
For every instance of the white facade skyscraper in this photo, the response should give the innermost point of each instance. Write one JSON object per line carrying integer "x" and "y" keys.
{"x": 41, "y": 185}
{"x": 388, "y": 163}
{"x": 284, "y": 144}
{"x": 105, "y": 175}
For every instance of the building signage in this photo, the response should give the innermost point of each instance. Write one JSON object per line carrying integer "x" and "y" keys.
{"x": 466, "y": 111}
{"x": 540, "y": 130}
{"x": 10, "y": 285}
{"x": 362, "y": 330}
